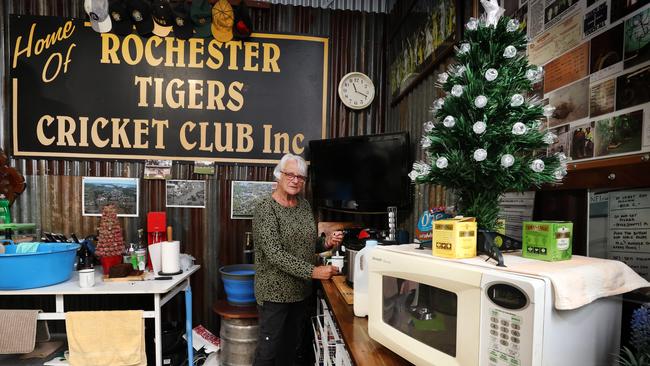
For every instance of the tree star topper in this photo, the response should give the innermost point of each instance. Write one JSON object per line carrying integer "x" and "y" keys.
{"x": 492, "y": 12}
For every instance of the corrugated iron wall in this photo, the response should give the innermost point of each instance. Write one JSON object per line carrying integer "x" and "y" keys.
{"x": 370, "y": 6}
{"x": 412, "y": 111}
{"x": 52, "y": 199}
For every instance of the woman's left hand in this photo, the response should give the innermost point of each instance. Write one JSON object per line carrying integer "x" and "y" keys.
{"x": 333, "y": 239}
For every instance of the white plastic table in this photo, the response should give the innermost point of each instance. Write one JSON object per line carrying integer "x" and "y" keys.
{"x": 162, "y": 291}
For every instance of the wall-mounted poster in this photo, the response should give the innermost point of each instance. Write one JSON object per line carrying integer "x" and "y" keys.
{"x": 244, "y": 195}
{"x": 429, "y": 30}
{"x": 582, "y": 141}
{"x": 632, "y": 88}
{"x": 607, "y": 53}
{"x": 556, "y": 10}
{"x": 601, "y": 98}
{"x": 619, "y": 134}
{"x": 637, "y": 39}
{"x": 595, "y": 19}
{"x": 571, "y": 103}
{"x": 556, "y": 41}
{"x": 621, "y": 8}
{"x": 98, "y": 192}
{"x": 185, "y": 193}
{"x": 571, "y": 66}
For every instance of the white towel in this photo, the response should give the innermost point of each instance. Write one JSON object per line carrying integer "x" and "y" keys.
{"x": 581, "y": 280}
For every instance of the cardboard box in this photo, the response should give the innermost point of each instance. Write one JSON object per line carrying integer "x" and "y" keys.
{"x": 455, "y": 238}
{"x": 547, "y": 240}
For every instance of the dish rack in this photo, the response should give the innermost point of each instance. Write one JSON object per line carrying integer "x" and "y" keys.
{"x": 329, "y": 347}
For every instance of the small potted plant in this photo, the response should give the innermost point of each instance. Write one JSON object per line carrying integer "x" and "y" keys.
{"x": 110, "y": 243}
{"x": 639, "y": 339}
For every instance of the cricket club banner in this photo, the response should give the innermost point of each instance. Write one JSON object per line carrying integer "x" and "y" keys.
{"x": 80, "y": 94}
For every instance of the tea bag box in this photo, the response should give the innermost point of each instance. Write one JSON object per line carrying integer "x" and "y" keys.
{"x": 547, "y": 240}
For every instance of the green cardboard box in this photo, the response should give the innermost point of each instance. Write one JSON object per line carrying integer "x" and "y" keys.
{"x": 547, "y": 240}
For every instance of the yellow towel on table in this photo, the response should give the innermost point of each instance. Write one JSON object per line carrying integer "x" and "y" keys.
{"x": 106, "y": 338}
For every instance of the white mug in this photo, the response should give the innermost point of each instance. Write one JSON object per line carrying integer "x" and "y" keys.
{"x": 86, "y": 278}
{"x": 337, "y": 261}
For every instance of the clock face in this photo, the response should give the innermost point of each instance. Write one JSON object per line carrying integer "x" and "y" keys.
{"x": 356, "y": 90}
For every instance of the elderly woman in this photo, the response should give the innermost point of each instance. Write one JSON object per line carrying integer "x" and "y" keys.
{"x": 285, "y": 237}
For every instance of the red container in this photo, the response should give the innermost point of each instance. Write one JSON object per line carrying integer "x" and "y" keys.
{"x": 108, "y": 262}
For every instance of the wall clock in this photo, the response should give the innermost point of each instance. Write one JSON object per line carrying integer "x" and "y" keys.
{"x": 356, "y": 90}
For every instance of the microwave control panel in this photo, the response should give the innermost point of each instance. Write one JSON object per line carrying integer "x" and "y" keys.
{"x": 509, "y": 314}
{"x": 504, "y": 341}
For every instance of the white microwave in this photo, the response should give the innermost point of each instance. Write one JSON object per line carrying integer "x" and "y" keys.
{"x": 433, "y": 311}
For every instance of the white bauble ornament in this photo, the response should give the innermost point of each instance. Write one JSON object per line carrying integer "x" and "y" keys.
{"x": 480, "y": 101}
{"x": 449, "y": 121}
{"x": 479, "y": 127}
{"x": 425, "y": 142}
{"x": 549, "y": 138}
{"x": 559, "y": 174}
{"x": 413, "y": 175}
{"x": 480, "y": 154}
{"x": 472, "y": 24}
{"x": 428, "y": 126}
{"x": 531, "y": 75}
{"x": 537, "y": 165}
{"x": 420, "y": 169}
{"x": 513, "y": 25}
{"x": 517, "y": 100}
{"x": 442, "y": 77}
{"x": 510, "y": 52}
{"x": 519, "y": 129}
{"x": 442, "y": 162}
{"x": 438, "y": 103}
{"x": 507, "y": 160}
{"x": 457, "y": 90}
{"x": 464, "y": 48}
{"x": 491, "y": 74}
{"x": 561, "y": 157}
{"x": 548, "y": 111}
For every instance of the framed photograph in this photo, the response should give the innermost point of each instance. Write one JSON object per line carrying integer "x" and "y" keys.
{"x": 637, "y": 39}
{"x": 98, "y": 192}
{"x": 571, "y": 103}
{"x": 185, "y": 193}
{"x": 244, "y": 196}
{"x": 582, "y": 141}
{"x": 422, "y": 35}
{"x": 619, "y": 134}
{"x": 157, "y": 169}
{"x": 632, "y": 88}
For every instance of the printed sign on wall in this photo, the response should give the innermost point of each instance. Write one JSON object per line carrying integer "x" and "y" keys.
{"x": 77, "y": 93}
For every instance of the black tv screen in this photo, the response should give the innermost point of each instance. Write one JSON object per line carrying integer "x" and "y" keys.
{"x": 361, "y": 173}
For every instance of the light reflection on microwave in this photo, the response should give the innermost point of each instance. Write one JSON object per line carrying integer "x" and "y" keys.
{"x": 420, "y": 311}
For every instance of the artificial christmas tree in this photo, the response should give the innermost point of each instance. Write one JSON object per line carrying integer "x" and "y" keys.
{"x": 110, "y": 244}
{"x": 487, "y": 136}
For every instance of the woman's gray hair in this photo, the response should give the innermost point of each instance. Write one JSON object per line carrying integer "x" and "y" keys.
{"x": 302, "y": 165}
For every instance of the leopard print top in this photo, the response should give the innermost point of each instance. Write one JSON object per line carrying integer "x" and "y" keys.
{"x": 285, "y": 240}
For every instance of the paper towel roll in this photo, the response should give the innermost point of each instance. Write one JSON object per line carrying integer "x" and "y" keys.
{"x": 171, "y": 256}
{"x": 155, "y": 253}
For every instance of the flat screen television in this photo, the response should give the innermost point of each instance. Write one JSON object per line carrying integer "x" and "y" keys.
{"x": 362, "y": 173}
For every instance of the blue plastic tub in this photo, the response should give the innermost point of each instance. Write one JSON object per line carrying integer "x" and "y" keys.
{"x": 238, "y": 281}
{"x": 52, "y": 263}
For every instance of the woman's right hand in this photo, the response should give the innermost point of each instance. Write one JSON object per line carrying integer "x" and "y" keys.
{"x": 324, "y": 272}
